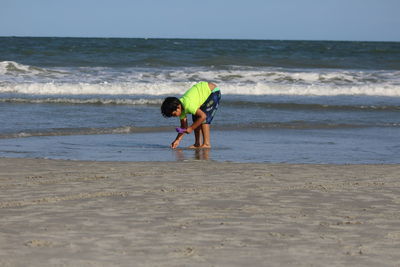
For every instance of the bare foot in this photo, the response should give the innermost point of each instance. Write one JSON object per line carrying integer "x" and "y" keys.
{"x": 205, "y": 146}
{"x": 195, "y": 146}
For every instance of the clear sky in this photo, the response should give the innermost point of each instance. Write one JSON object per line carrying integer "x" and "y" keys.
{"x": 365, "y": 20}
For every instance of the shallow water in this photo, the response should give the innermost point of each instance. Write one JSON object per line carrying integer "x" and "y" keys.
{"x": 332, "y": 146}
{"x": 282, "y": 101}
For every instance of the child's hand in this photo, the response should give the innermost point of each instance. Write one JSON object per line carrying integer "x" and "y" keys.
{"x": 189, "y": 130}
{"x": 175, "y": 144}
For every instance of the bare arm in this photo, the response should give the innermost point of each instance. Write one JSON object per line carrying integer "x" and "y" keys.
{"x": 201, "y": 117}
{"x": 180, "y": 135}
{"x": 200, "y": 114}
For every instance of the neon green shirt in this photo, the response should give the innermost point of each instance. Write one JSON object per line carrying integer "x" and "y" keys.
{"x": 194, "y": 98}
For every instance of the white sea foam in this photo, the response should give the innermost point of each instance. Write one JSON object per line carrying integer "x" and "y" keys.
{"x": 15, "y": 69}
{"x": 92, "y": 89}
{"x": 63, "y": 100}
{"x": 11, "y": 66}
{"x": 158, "y": 89}
{"x": 23, "y": 79}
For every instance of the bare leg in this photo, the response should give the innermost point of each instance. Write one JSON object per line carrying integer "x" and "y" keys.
{"x": 205, "y": 129}
{"x": 196, "y": 138}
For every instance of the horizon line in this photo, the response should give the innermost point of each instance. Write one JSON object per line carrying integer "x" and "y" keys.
{"x": 194, "y": 38}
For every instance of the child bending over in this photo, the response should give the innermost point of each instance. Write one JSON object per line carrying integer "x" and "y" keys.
{"x": 202, "y": 101}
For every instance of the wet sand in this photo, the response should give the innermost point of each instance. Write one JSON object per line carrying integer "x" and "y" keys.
{"x": 197, "y": 213}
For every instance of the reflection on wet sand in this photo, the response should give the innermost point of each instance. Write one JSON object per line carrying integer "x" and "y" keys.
{"x": 199, "y": 154}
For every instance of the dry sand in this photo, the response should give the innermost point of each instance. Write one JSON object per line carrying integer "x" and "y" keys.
{"x": 69, "y": 213}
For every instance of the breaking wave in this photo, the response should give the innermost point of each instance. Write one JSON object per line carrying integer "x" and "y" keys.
{"x": 78, "y": 101}
{"x": 17, "y": 78}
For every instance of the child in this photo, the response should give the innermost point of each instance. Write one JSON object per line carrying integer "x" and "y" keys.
{"x": 202, "y": 101}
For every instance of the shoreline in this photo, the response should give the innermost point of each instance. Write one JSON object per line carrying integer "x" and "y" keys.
{"x": 197, "y": 213}
{"x": 189, "y": 161}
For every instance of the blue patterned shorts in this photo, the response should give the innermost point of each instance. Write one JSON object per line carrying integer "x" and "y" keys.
{"x": 210, "y": 106}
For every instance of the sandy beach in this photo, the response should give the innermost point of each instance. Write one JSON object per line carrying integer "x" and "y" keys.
{"x": 197, "y": 213}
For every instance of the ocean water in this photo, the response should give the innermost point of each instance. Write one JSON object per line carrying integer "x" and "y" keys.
{"x": 282, "y": 101}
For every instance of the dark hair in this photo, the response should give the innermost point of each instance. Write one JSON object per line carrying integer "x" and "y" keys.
{"x": 169, "y": 105}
